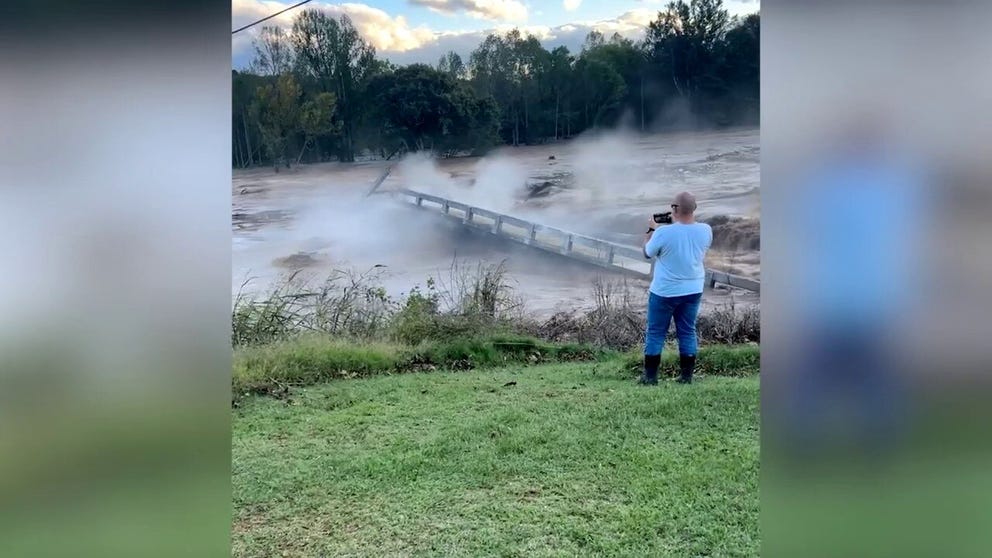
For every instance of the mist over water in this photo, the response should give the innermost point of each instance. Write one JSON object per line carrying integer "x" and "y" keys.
{"x": 496, "y": 182}
{"x": 317, "y": 218}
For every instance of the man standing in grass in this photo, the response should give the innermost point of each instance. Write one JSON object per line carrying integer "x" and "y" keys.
{"x": 677, "y": 286}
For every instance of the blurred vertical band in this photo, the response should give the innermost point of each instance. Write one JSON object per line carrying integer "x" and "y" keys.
{"x": 876, "y": 174}
{"x": 115, "y": 295}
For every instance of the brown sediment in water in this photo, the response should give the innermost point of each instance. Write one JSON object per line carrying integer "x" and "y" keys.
{"x": 605, "y": 191}
{"x": 251, "y": 221}
{"x": 746, "y": 264}
{"x": 547, "y": 184}
{"x": 735, "y": 233}
{"x": 251, "y": 189}
{"x": 299, "y": 260}
{"x": 747, "y": 154}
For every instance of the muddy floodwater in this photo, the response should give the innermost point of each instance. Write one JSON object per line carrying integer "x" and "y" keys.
{"x": 316, "y": 218}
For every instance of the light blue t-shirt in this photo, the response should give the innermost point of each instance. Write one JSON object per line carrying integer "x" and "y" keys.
{"x": 679, "y": 249}
{"x": 859, "y": 259}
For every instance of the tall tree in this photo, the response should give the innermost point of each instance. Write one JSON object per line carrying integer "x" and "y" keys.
{"x": 593, "y": 40}
{"x": 628, "y": 60}
{"x": 683, "y": 42}
{"x": 276, "y": 110}
{"x": 559, "y": 77}
{"x": 493, "y": 73}
{"x": 317, "y": 119}
{"x": 509, "y": 67}
{"x": 600, "y": 91}
{"x": 695, "y": 61}
{"x": 452, "y": 65}
{"x": 245, "y": 134}
{"x": 532, "y": 62}
{"x": 740, "y": 67}
{"x": 273, "y": 52}
{"x": 426, "y": 109}
{"x": 331, "y": 52}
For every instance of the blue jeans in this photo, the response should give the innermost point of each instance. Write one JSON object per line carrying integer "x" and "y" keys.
{"x": 844, "y": 372}
{"x": 661, "y": 310}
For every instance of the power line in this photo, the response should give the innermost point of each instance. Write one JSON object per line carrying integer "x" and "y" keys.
{"x": 238, "y": 30}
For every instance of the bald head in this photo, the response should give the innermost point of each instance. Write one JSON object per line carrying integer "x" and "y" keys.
{"x": 685, "y": 204}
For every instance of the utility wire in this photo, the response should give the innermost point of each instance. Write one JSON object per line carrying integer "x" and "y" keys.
{"x": 238, "y": 30}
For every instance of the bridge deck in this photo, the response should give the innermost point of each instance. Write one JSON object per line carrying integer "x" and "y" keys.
{"x": 618, "y": 257}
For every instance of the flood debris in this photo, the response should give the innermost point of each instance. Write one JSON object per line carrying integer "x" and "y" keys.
{"x": 299, "y": 260}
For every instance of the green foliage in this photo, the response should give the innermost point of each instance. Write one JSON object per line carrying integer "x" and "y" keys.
{"x": 471, "y": 302}
{"x": 600, "y": 90}
{"x": 478, "y": 302}
{"x": 577, "y": 461}
{"x": 276, "y": 109}
{"x": 317, "y": 118}
{"x": 246, "y": 138}
{"x": 451, "y": 64}
{"x": 345, "y": 304}
{"x": 511, "y": 69}
{"x": 317, "y": 115}
{"x": 273, "y": 52}
{"x": 697, "y": 65}
{"x": 417, "y": 320}
{"x": 257, "y": 322}
{"x": 424, "y": 108}
{"x": 331, "y": 52}
{"x": 706, "y": 58}
{"x": 740, "y": 70}
{"x": 311, "y": 359}
{"x": 714, "y": 360}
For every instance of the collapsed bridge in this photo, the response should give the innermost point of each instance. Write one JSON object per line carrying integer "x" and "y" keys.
{"x": 617, "y": 257}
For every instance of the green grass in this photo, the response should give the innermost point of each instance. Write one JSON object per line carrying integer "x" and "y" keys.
{"x": 309, "y": 360}
{"x": 267, "y": 369}
{"x": 571, "y": 460}
{"x": 716, "y": 360}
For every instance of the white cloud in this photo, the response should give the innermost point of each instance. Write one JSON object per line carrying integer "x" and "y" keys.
{"x": 629, "y": 22}
{"x": 400, "y": 43}
{"x": 542, "y": 32}
{"x": 571, "y": 5}
{"x": 734, "y": 7}
{"x": 630, "y": 25}
{"x": 244, "y": 12}
{"x": 385, "y": 33}
{"x": 493, "y": 10}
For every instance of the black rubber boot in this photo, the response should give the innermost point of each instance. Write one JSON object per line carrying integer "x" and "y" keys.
{"x": 687, "y": 363}
{"x": 650, "y": 376}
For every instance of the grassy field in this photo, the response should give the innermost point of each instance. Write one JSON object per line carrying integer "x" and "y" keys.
{"x": 567, "y": 459}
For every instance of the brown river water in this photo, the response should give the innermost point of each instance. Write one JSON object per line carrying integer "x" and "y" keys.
{"x": 317, "y": 218}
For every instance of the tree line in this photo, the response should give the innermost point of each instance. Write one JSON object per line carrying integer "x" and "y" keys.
{"x": 318, "y": 91}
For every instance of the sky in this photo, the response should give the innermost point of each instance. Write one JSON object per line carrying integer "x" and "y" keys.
{"x": 409, "y": 31}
